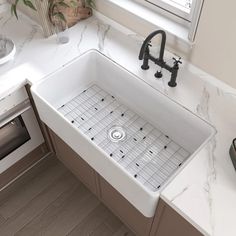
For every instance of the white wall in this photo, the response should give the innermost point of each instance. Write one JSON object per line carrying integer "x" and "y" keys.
{"x": 215, "y": 48}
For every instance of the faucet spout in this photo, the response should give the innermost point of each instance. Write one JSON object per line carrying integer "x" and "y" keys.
{"x": 147, "y": 41}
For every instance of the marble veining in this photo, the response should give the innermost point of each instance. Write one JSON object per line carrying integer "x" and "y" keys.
{"x": 81, "y": 37}
{"x": 210, "y": 181}
{"x": 102, "y": 31}
{"x": 203, "y": 111}
{"x": 179, "y": 194}
{"x": 203, "y": 106}
{"x": 204, "y": 192}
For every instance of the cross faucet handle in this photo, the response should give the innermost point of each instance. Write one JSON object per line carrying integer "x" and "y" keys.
{"x": 177, "y": 61}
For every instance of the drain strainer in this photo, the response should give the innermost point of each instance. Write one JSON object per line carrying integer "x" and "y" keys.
{"x": 116, "y": 134}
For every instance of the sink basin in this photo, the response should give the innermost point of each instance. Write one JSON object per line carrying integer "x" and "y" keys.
{"x": 131, "y": 134}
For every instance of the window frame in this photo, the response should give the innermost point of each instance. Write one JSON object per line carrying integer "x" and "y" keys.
{"x": 189, "y": 20}
{"x": 195, "y": 14}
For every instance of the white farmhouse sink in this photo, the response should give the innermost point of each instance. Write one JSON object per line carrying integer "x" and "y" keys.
{"x": 131, "y": 134}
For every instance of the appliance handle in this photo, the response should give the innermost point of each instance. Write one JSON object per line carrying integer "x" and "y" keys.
{"x": 14, "y": 112}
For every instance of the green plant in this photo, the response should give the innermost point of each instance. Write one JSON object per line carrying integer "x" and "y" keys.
{"x": 27, "y": 3}
{"x": 54, "y": 8}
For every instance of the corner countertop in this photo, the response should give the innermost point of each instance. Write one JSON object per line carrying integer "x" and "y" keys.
{"x": 204, "y": 192}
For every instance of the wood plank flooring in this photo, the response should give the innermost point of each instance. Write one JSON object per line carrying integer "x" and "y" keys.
{"x": 48, "y": 200}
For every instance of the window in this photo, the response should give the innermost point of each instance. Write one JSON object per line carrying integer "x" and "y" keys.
{"x": 180, "y": 8}
{"x": 186, "y": 12}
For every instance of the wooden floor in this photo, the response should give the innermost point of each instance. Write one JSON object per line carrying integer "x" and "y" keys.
{"x": 49, "y": 200}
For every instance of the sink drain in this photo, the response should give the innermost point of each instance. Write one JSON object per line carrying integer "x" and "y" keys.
{"x": 116, "y": 134}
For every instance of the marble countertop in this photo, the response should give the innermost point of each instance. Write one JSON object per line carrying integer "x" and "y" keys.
{"x": 204, "y": 192}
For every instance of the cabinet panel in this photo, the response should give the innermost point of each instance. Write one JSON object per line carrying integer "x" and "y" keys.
{"x": 137, "y": 222}
{"x": 74, "y": 163}
{"x": 168, "y": 222}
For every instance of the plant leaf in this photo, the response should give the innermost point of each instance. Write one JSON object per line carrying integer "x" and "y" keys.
{"x": 73, "y": 4}
{"x": 13, "y": 10}
{"x": 60, "y": 16}
{"x": 50, "y": 10}
{"x": 90, "y": 3}
{"x": 63, "y": 4}
{"x": 29, "y": 4}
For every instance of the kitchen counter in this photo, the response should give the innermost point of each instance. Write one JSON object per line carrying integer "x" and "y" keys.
{"x": 204, "y": 192}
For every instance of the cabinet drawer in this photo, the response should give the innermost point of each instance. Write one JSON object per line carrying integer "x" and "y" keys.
{"x": 74, "y": 163}
{"x": 136, "y": 221}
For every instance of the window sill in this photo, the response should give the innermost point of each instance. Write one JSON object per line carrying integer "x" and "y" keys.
{"x": 153, "y": 19}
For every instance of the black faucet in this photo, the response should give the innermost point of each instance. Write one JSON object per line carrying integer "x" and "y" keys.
{"x": 146, "y": 56}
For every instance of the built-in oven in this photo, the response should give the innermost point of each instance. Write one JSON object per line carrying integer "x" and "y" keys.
{"x": 19, "y": 130}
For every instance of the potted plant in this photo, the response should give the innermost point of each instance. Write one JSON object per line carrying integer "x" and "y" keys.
{"x": 69, "y": 11}
{"x": 61, "y": 13}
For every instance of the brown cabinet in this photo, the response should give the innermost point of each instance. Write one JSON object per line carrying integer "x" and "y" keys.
{"x": 168, "y": 222}
{"x": 136, "y": 221}
{"x": 74, "y": 163}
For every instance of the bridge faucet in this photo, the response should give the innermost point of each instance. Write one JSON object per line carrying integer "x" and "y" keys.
{"x": 146, "y": 56}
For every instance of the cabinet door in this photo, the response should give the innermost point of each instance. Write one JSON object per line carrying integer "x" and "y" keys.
{"x": 168, "y": 222}
{"x": 136, "y": 221}
{"x": 74, "y": 163}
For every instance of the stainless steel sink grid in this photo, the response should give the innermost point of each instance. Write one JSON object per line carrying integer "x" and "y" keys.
{"x": 146, "y": 153}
